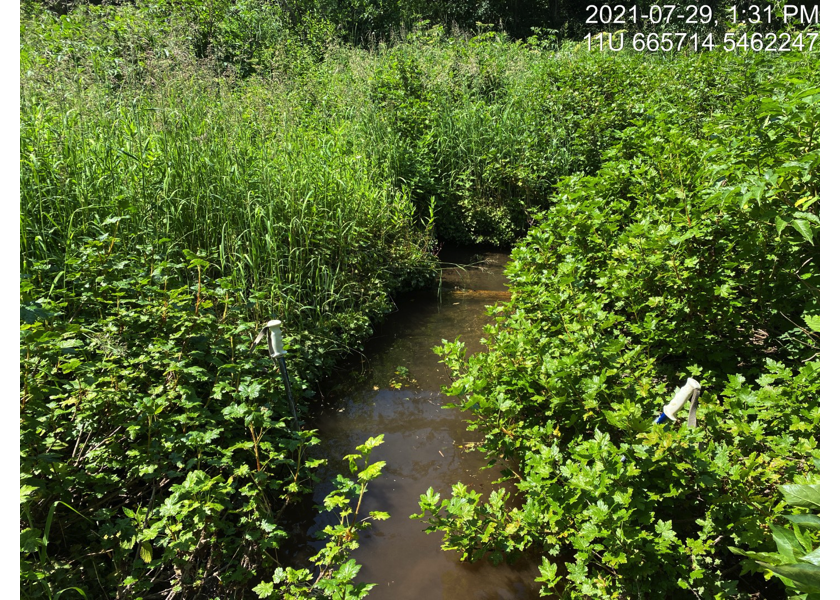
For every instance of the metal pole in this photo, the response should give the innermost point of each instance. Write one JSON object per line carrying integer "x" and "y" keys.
{"x": 275, "y": 351}
{"x": 288, "y": 390}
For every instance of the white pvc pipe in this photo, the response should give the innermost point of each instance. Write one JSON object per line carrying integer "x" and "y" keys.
{"x": 275, "y": 338}
{"x": 672, "y": 408}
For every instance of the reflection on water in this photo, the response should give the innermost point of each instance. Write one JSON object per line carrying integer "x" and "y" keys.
{"x": 424, "y": 443}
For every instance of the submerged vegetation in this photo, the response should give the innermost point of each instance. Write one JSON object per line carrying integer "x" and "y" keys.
{"x": 190, "y": 170}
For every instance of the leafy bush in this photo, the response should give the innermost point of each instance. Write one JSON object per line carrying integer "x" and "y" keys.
{"x": 483, "y": 128}
{"x": 476, "y": 126}
{"x": 151, "y": 434}
{"x": 796, "y": 561}
{"x": 337, "y": 569}
{"x": 692, "y": 252}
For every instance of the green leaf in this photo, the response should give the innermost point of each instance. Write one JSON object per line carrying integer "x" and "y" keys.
{"x": 370, "y": 444}
{"x": 806, "y": 575}
{"x": 264, "y": 589}
{"x": 772, "y": 558}
{"x": 80, "y": 591}
{"x": 813, "y": 322}
{"x": 548, "y": 571}
{"x": 804, "y": 539}
{"x": 251, "y": 390}
{"x": 804, "y": 229}
{"x": 146, "y": 551}
{"x": 806, "y": 496}
{"x": 806, "y": 521}
{"x": 808, "y": 217}
{"x": 372, "y": 472}
{"x": 430, "y": 498}
{"x": 362, "y": 590}
{"x": 813, "y": 557}
{"x": 348, "y": 571}
{"x": 352, "y": 461}
{"x": 787, "y": 544}
{"x": 195, "y": 260}
{"x": 26, "y": 491}
{"x": 30, "y": 540}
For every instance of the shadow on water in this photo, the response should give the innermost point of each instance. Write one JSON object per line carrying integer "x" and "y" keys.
{"x": 394, "y": 389}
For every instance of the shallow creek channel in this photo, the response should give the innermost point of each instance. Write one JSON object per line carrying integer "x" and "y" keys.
{"x": 394, "y": 389}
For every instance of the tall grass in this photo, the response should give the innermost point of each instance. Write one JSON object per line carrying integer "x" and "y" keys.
{"x": 275, "y": 201}
{"x": 313, "y": 184}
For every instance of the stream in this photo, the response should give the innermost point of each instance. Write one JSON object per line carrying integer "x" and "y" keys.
{"x": 394, "y": 389}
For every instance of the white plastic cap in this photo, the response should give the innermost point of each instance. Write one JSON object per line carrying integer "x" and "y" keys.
{"x": 681, "y": 397}
{"x": 275, "y": 338}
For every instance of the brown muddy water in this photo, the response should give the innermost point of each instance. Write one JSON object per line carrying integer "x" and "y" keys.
{"x": 394, "y": 389}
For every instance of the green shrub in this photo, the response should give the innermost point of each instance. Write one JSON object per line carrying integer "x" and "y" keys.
{"x": 689, "y": 253}
{"x": 157, "y": 450}
{"x": 796, "y": 560}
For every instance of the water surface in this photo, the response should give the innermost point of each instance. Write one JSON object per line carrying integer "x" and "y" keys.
{"x": 394, "y": 389}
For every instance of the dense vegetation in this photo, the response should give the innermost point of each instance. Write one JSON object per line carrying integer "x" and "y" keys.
{"x": 243, "y": 31}
{"x": 190, "y": 170}
{"x": 693, "y": 251}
